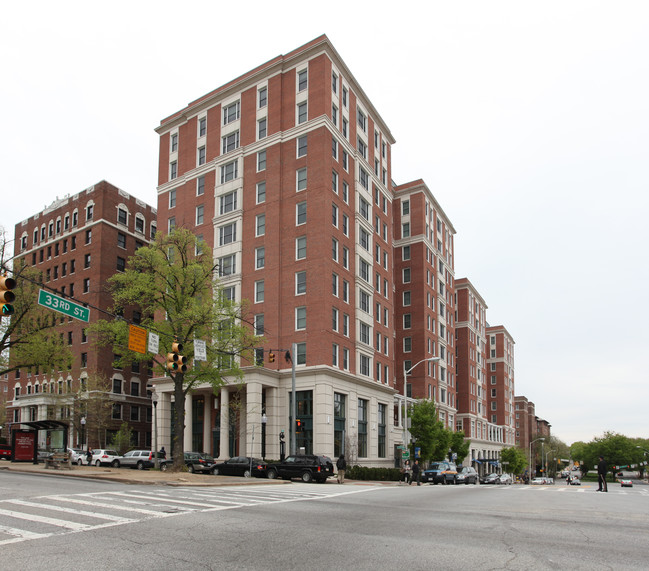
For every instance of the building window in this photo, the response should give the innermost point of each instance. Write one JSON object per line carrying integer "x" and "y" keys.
{"x": 227, "y": 234}
{"x": 121, "y": 240}
{"x": 406, "y": 275}
{"x": 362, "y": 148}
{"x": 259, "y": 324}
{"x": 173, "y": 170}
{"x": 300, "y": 248}
{"x": 261, "y": 128}
{"x": 263, "y": 97}
{"x": 364, "y": 178}
{"x": 406, "y": 298}
{"x": 231, "y": 112}
{"x": 362, "y": 120}
{"x": 117, "y": 411}
{"x": 202, "y": 126}
{"x": 381, "y": 428}
{"x": 259, "y": 291}
{"x": 300, "y": 213}
{"x": 139, "y": 224}
{"x": 229, "y": 172}
{"x": 300, "y": 318}
{"x": 200, "y": 214}
{"x": 228, "y": 202}
{"x": 301, "y": 146}
{"x": 362, "y": 428}
{"x": 121, "y": 264}
{"x": 334, "y": 354}
{"x": 171, "y": 224}
{"x": 261, "y": 161}
{"x": 122, "y": 216}
{"x": 405, "y": 230}
{"x": 334, "y": 215}
{"x": 334, "y": 249}
{"x": 201, "y": 156}
{"x": 301, "y": 353}
{"x": 86, "y": 285}
{"x": 174, "y": 142}
{"x": 89, "y": 213}
{"x": 302, "y": 115}
{"x": 334, "y": 319}
{"x": 334, "y": 284}
{"x": 200, "y": 186}
{"x": 172, "y": 198}
{"x": 365, "y": 333}
{"x": 260, "y": 226}
{"x": 260, "y": 258}
{"x": 334, "y": 149}
{"x": 227, "y": 265}
{"x": 302, "y": 78}
{"x": 334, "y": 181}
{"x": 230, "y": 142}
{"x": 135, "y": 413}
{"x": 334, "y": 115}
{"x": 301, "y": 179}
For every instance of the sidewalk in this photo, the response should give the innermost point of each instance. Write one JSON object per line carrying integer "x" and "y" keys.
{"x": 132, "y": 476}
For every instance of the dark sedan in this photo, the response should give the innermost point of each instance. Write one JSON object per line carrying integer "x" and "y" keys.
{"x": 490, "y": 479}
{"x": 241, "y": 466}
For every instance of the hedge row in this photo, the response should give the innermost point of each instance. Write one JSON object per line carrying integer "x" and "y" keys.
{"x": 375, "y": 474}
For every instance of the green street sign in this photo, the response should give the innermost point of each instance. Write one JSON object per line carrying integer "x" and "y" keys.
{"x": 405, "y": 455}
{"x": 62, "y": 305}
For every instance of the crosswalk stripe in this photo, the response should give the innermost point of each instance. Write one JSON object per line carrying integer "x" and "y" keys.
{"x": 70, "y": 511}
{"x": 103, "y": 505}
{"x": 48, "y": 520}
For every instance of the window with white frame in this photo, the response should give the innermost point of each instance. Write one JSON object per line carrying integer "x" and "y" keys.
{"x": 300, "y": 213}
{"x": 228, "y": 202}
{"x": 260, "y": 225}
{"x": 302, "y": 112}
{"x": 227, "y": 265}
{"x": 201, "y": 156}
{"x": 364, "y": 333}
{"x": 301, "y": 146}
{"x": 300, "y": 318}
{"x": 261, "y": 192}
{"x": 260, "y": 257}
{"x": 263, "y": 97}
{"x": 227, "y": 234}
{"x": 259, "y": 324}
{"x": 334, "y": 215}
{"x": 200, "y": 186}
{"x": 301, "y": 179}
{"x": 229, "y": 171}
{"x": 334, "y": 318}
{"x": 200, "y": 214}
{"x": 300, "y": 248}
{"x": 364, "y": 178}
{"x": 362, "y": 120}
{"x": 259, "y": 291}
{"x": 172, "y": 198}
{"x": 230, "y": 142}
{"x": 300, "y": 283}
{"x": 302, "y": 80}
{"x": 231, "y": 112}
{"x": 202, "y": 126}
{"x": 261, "y": 161}
{"x": 334, "y": 249}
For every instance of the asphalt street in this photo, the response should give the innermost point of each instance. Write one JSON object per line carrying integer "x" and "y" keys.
{"x": 57, "y": 522}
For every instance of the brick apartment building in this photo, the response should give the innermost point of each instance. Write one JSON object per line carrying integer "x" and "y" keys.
{"x": 285, "y": 172}
{"x": 77, "y": 243}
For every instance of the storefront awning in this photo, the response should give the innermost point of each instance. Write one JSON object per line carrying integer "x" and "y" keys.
{"x": 45, "y": 424}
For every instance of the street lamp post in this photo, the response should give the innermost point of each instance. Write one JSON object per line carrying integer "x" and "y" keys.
{"x": 83, "y": 431}
{"x": 533, "y": 441}
{"x": 405, "y": 396}
{"x": 154, "y": 400}
{"x": 264, "y": 420}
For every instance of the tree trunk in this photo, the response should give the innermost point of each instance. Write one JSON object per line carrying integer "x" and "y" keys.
{"x": 179, "y": 432}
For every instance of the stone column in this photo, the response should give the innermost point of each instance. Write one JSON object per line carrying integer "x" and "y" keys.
{"x": 253, "y": 419}
{"x": 187, "y": 440}
{"x": 207, "y": 423}
{"x": 224, "y": 448}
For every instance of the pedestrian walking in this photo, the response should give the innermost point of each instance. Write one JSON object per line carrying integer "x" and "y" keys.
{"x": 568, "y": 480}
{"x": 602, "y": 468}
{"x": 163, "y": 453}
{"x": 407, "y": 472}
{"x": 341, "y": 464}
{"x": 416, "y": 472}
{"x": 89, "y": 456}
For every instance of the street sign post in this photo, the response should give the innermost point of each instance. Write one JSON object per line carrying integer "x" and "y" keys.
{"x": 137, "y": 339}
{"x": 64, "y": 306}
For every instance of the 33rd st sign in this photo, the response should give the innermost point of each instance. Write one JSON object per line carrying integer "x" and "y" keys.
{"x": 65, "y": 306}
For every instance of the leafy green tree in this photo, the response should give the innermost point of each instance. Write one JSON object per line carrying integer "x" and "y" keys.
{"x": 121, "y": 440}
{"x": 29, "y": 339}
{"x": 514, "y": 459}
{"x": 174, "y": 281}
{"x": 459, "y": 445}
{"x": 428, "y": 431}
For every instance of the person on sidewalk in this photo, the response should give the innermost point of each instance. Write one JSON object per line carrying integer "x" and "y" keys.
{"x": 416, "y": 472}
{"x": 407, "y": 472}
{"x": 89, "y": 456}
{"x": 341, "y": 465}
{"x": 602, "y": 468}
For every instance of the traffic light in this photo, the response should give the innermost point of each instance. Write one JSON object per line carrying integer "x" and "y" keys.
{"x": 271, "y": 357}
{"x": 298, "y": 425}
{"x": 6, "y": 295}
{"x": 175, "y": 362}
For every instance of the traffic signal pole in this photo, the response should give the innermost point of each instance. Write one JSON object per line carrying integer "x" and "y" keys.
{"x": 293, "y": 401}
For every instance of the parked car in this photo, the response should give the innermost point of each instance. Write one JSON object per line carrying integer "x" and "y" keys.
{"x": 467, "y": 475}
{"x": 490, "y": 478}
{"x": 240, "y": 466}
{"x": 5, "y": 452}
{"x": 538, "y": 481}
{"x": 195, "y": 462}
{"x": 77, "y": 456}
{"x": 308, "y": 467}
{"x": 574, "y": 481}
{"x": 625, "y": 483}
{"x": 105, "y": 457}
{"x": 505, "y": 479}
{"x": 139, "y": 459}
{"x": 440, "y": 473}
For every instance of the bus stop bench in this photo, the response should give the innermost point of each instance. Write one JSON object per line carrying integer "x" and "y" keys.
{"x": 58, "y": 460}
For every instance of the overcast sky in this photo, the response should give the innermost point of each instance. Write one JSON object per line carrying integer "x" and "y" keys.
{"x": 527, "y": 120}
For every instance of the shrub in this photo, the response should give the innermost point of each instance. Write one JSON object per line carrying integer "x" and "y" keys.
{"x": 375, "y": 474}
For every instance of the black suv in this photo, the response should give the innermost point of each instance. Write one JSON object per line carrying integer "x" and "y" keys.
{"x": 440, "y": 473}
{"x": 308, "y": 467}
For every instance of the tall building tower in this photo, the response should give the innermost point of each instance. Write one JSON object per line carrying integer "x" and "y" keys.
{"x": 425, "y": 298}
{"x": 77, "y": 243}
{"x": 285, "y": 172}
{"x": 500, "y": 361}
